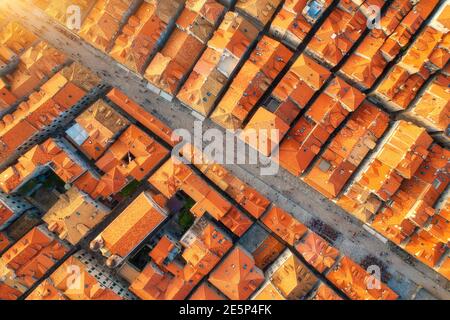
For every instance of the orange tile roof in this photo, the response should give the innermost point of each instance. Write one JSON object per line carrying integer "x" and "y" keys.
{"x": 66, "y": 167}
{"x": 103, "y": 22}
{"x": 7, "y": 56}
{"x": 5, "y": 215}
{"x": 284, "y": 225}
{"x": 399, "y": 87}
{"x": 81, "y": 76}
{"x": 237, "y": 276}
{"x": 152, "y": 123}
{"x": 439, "y": 228}
{"x": 205, "y": 245}
{"x": 267, "y": 251}
{"x": 139, "y": 37}
{"x": 200, "y": 17}
{"x": 398, "y": 158}
{"x": 210, "y": 235}
{"x": 294, "y": 21}
{"x": 432, "y": 109}
{"x": 401, "y": 20}
{"x": 174, "y": 61}
{"x": 103, "y": 187}
{"x": 155, "y": 284}
{"x": 74, "y": 215}
{"x": 211, "y": 73}
{"x": 51, "y": 152}
{"x": 328, "y": 112}
{"x": 303, "y": 142}
{"x": 134, "y": 154}
{"x": 291, "y": 276}
{"x": 317, "y": 252}
{"x": 422, "y": 49}
{"x": 171, "y": 177}
{"x": 352, "y": 280}
{"x": 200, "y": 260}
{"x": 174, "y": 176}
{"x": 325, "y": 293}
{"x": 347, "y": 150}
{"x": 233, "y": 36}
{"x": 348, "y": 96}
{"x": 101, "y": 124}
{"x": 237, "y": 221}
{"x": 442, "y": 19}
{"x": 6, "y": 97}
{"x": 287, "y": 111}
{"x": 162, "y": 249}
{"x": 32, "y": 256}
{"x": 208, "y": 199}
{"x": 444, "y": 269}
{"x": 201, "y": 89}
{"x": 206, "y": 292}
{"x": 54, "y": 97}
{"x": 426, "y": 248}
{"x": 267, "y": 128}
{"x": 307, "y": 136}
{"x": 340, "y": 30}
{"x": 4, "y": 241}
{"x": 361, "y": 209}
{"x": 249, "y": 198}
{"x": 179, "y": 289}
{"x": 88, "y": 183}
{"x": 411, "y": 206}
{"x": 366, "y": 65}
{"x": 268, "y": 292}
{"x": 303, "y": 79}
{"x": 263, "y": 66}
{"x": 13, "y": 176}
{"x": 36, "y": 64}
{"x": 151, "y": 284}
{"x": 132, "y": 226}
{"x": 46, "y": 291}
{"x": 241, "y": 97}
{"x": 8, "y": 293}
{"x": 16, "y": 37}
{"x": 392, "y": 222}
{"x": 427, "y": 54}
{"x": 62, "y": 285}
{"x": 59, "y": 10}
{"x": 443, "y": 208}
{"x": 260, "y": 10}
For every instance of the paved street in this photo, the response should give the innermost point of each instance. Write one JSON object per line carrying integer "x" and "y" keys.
{"x": 283, "y": 189}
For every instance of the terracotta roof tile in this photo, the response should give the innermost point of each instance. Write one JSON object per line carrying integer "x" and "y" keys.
{"x": 296, "y": 18}
{"x": 284, "y": 225}
{"x": 103, "y": 21}
{"x": 135, "y": 223}
{"x": 317, "y": 252}
{"x": 139, "y": 37}
{"x": 292, "y": 278}
{"x": 59, "y": 287}
{"x": 347, "y": 150}
{"x": 206, "y": 292}
{"x": 74, "y": 215}
{"x": 268, "y": 292}
{"x": 265, "y": 63}
{"x": 352, "y": 280}
{"x": 32, "y": 256}
{"x": 237, "y": 276}
{"x": 325, "y": 293}
{"x": 260, "y": 10}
